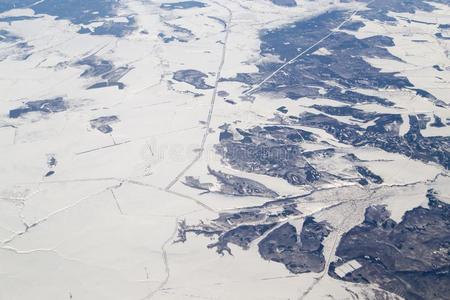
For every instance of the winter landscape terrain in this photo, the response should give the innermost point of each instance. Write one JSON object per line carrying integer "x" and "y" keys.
{"x": 235, "y": 149}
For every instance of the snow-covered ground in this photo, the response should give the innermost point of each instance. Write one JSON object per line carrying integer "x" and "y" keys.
{"x": 86, "y": 214}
